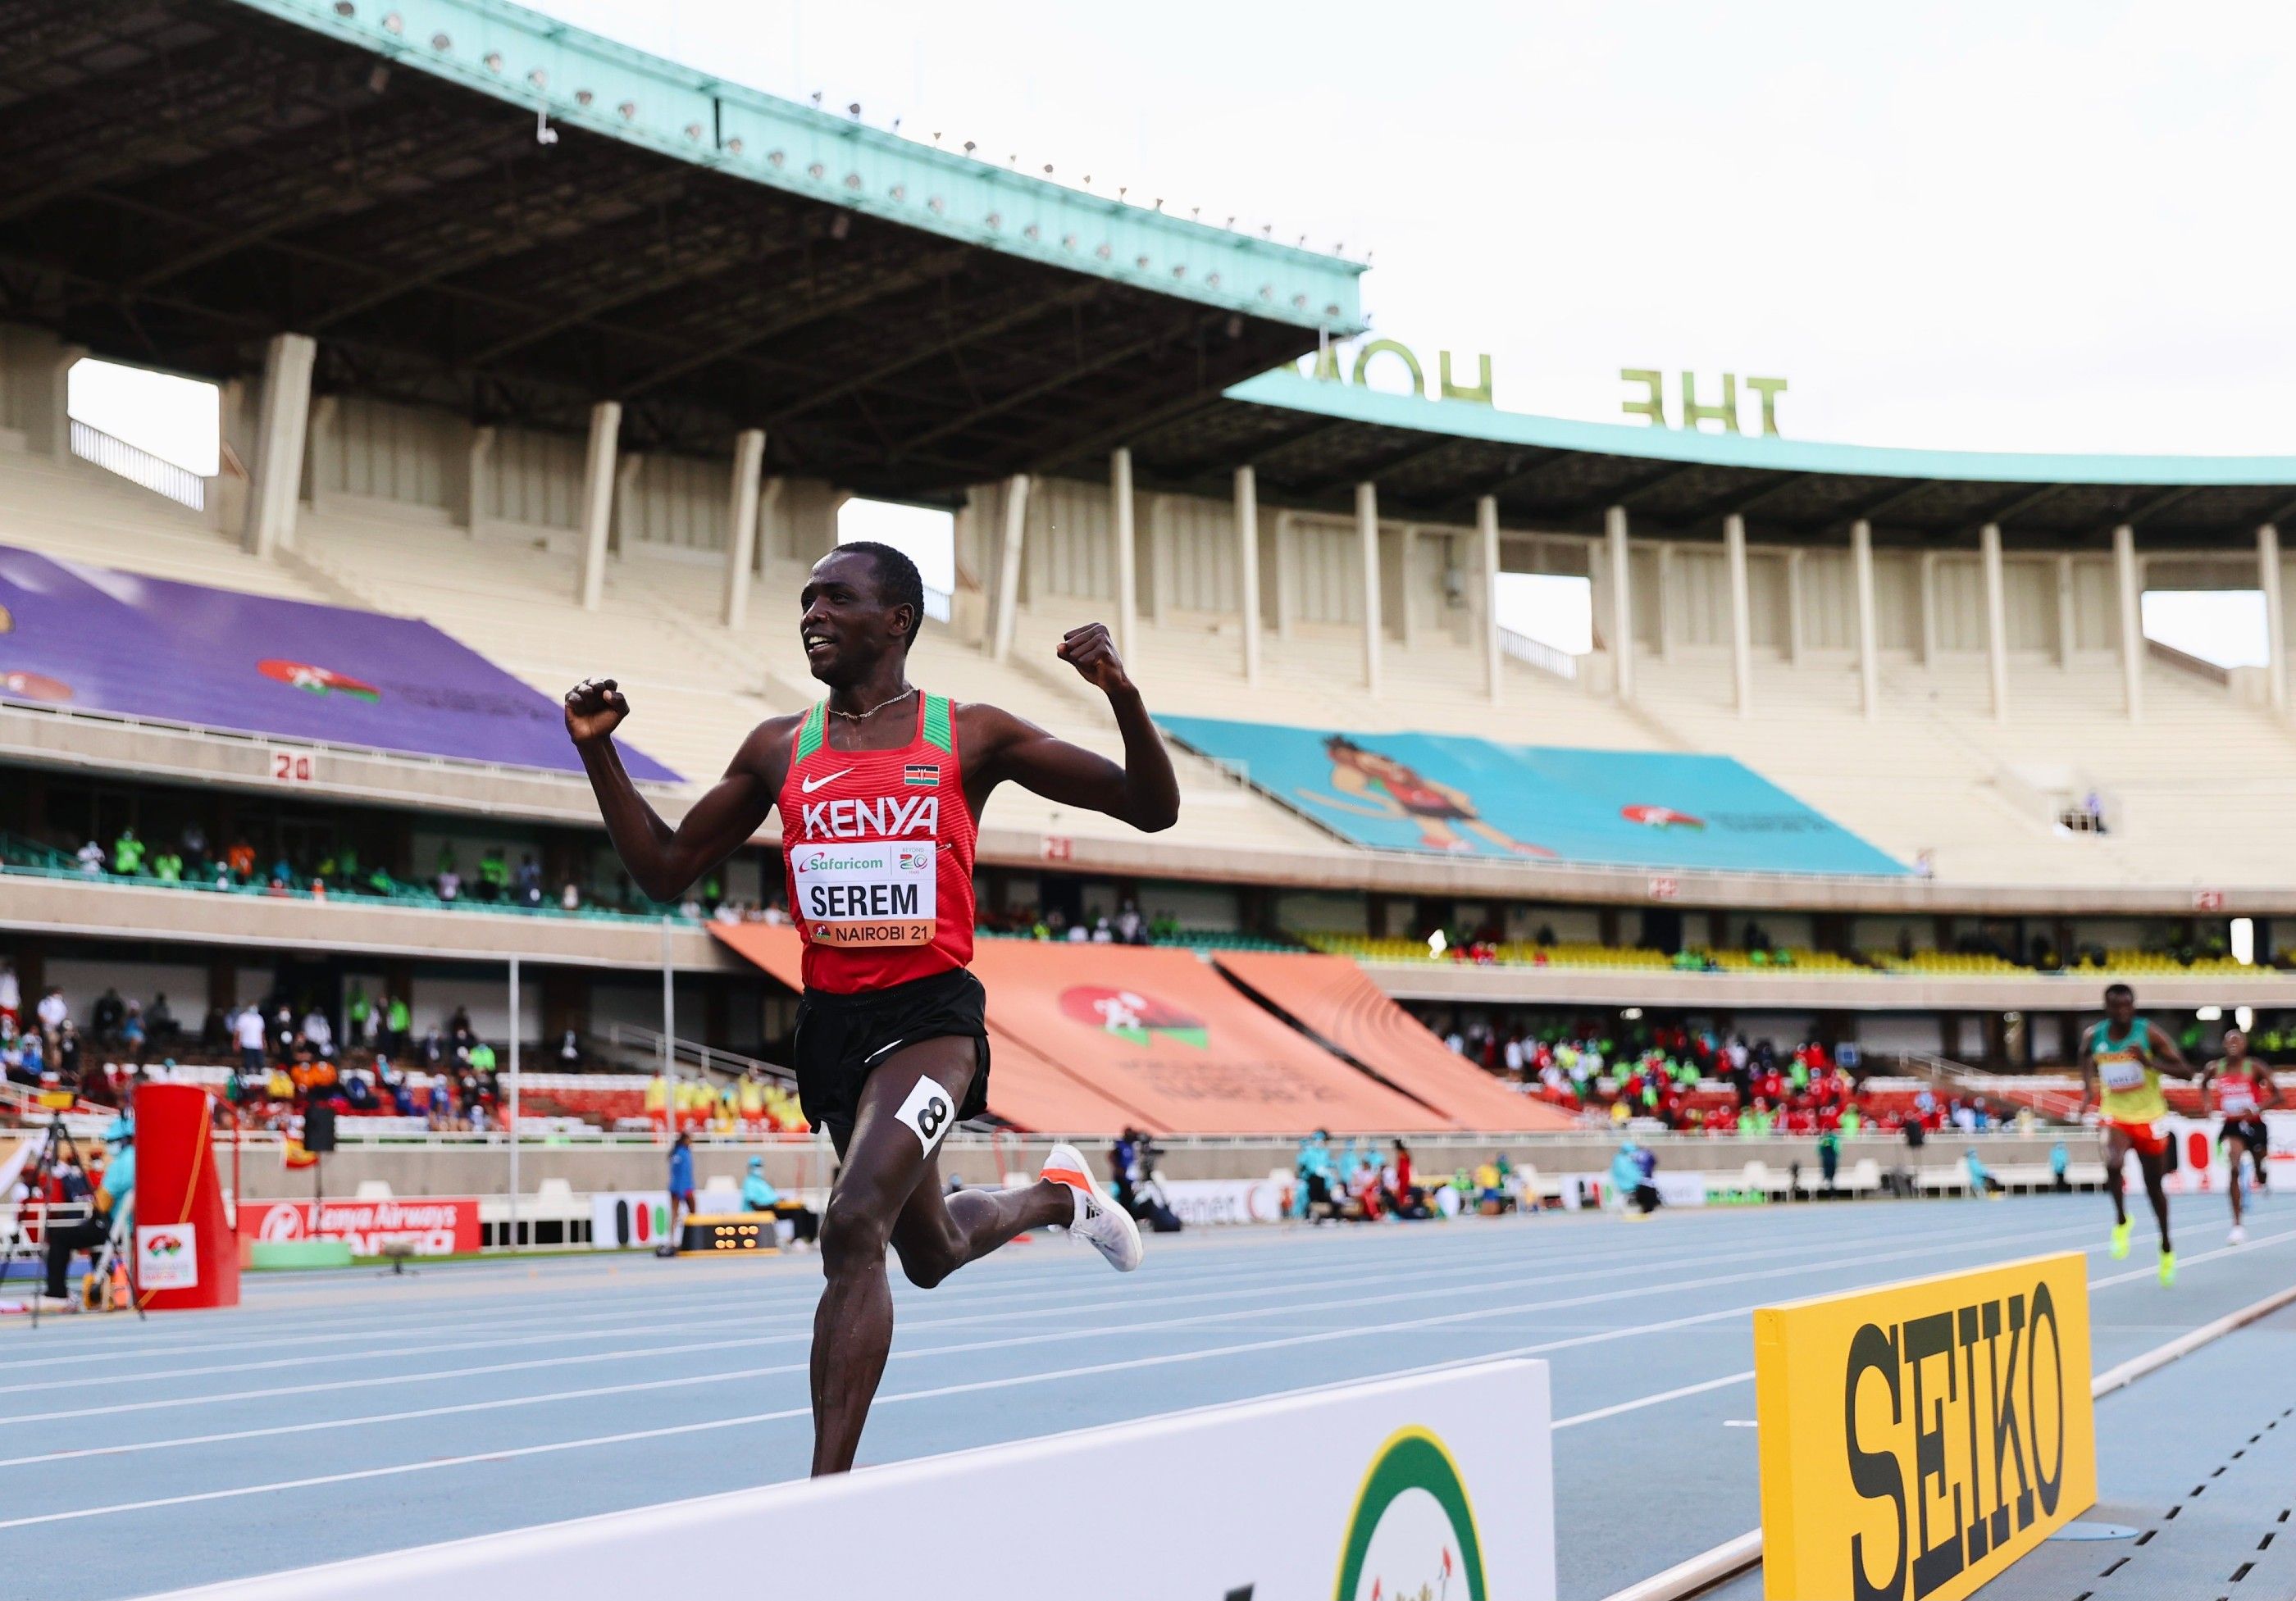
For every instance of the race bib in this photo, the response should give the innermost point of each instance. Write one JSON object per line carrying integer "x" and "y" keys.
{"x": 2121, "y": 1074}
{"x": 2237, "y": 1097}
{"x": 866, "y": 892}
{"x": 927, "y": 1112}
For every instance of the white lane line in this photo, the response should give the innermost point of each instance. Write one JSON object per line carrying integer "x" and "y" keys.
{"x": 1659, "y": 1400}
{"x": 1532, "y": 1281}
{"x": 551, "y": 1314}
{"x": 1098, "y": 1297}
{"x": 1162, "y": 1359}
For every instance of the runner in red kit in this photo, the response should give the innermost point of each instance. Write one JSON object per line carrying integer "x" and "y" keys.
{"x": 880, "y": 788}
{"x": 2245, "y": 1092}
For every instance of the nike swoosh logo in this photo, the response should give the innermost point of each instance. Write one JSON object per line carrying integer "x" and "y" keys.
{"x": 810, "y": 785}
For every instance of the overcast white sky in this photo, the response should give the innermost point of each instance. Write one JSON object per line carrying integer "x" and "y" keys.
{"x": 2041, "y": 225}
{"x": 2009, "y": 225}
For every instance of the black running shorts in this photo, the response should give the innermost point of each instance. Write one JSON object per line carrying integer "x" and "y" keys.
{"x": 841, "y": 1039}
{"x": 2249, "y": 1131}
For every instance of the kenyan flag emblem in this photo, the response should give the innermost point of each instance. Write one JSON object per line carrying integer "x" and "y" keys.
{"x": 316, "y": 681}
{"x": 1132, "y": 1016}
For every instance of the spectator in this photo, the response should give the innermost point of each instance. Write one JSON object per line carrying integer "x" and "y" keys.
{"x": 319, "y": 1031}
{"x": 68, "y": 1054}
{"x": 1634, "y": 1185}
{"x": 90, "y": 857}
{"x": 1829, "y": 1157}
{"x": 135, "y": 1040}
{"x": 52, "y": 1012}
{"x": 1312, "y": 1167}
{"x": 494, "y": 874}
{"x": 570, "y": 1051}
{"x": 240, "y": 859}
{"x": 530, "y": 882}
{"x": 194, "y": 845}
{"x": 248, "y": 1032}
{"x": 1981, "y": 1181}
{"x": 1131, "y": 927}
{"x": 2060, "y": 1162}
{"x": 450, "y": 883}
{"x": 106, "y": 1016}
{"x": 681, "y": 1183}
{"x": 11, "y": 994}
{"x": 570, "y": 899}
{"x": 398, "y": 1026}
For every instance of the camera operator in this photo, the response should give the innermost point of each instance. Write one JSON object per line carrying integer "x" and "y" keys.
{"x": 114, "y": 1202}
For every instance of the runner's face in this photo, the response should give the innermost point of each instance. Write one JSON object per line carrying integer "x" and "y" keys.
{"x": 2119, "y": 1008}
{"x": 2235, "y": 1045}
{"x": 845, "y": 626}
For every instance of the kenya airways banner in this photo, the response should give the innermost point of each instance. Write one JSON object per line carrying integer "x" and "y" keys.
{"x": 434, "y": 1225}
{"x": 79, "y": 636}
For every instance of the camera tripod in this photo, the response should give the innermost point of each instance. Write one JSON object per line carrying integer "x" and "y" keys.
{"x": 55, "y": 1140}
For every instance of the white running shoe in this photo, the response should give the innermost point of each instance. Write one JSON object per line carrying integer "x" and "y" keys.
{"x": 2239, "y": 1235}
{"x": 1099, "y": 1220}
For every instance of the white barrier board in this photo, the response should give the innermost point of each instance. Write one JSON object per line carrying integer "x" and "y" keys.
{"x": 1440, "y": 1484}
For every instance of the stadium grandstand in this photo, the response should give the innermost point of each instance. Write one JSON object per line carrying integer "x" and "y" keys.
{"x": 540, "y": 358}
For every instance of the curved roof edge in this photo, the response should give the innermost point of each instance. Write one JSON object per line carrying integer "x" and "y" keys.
{"x": 582, "y": 80}
{"x": 1345, "y": 402}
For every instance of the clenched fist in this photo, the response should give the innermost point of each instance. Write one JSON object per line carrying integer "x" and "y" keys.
{"x": 1093, "y": 654}
{"x": 594, "y": 708}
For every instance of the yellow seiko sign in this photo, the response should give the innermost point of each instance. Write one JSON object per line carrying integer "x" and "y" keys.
{"x": 1919, "y": 1438}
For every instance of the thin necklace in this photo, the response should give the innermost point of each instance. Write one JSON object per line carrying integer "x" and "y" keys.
{"x": 873, "y": 711}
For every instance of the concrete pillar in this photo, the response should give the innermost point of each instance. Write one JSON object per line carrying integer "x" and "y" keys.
{"x": 2068, "y": 625}
{"x": 769, "y": 511}
{"x": 598, "y": 499}
{"x": 1406, "y": 581}
{"x": 1795, "y": 626}
{"x": 1869, "y": 639}
{"x": 1622, "y": 603}
{"x": 321, "y": 450}
{"x": 275, "y": 475}
{"x": 479, "y": 479}
{"x": 742, "y": 523}
{"x": 2275, "y": 636}
{"x": 1742, "y": 622}
{"x": 1128, "y": 553}
{"x": 1929, "y": 609}
{"x": 1367, "y": 531}
{"x": 623, "y": 529}
{"x": 1996, "y": 618}
{"x": 1287, "y": 576}
{"x": 1667, "y": 626}
{"x": 1008, "y": 564}
{"x": 1247, "y": 567}
{"x": 58, "y": 418}
{"x": 1487, "y": 525}
{"x": 2132, "y": 620}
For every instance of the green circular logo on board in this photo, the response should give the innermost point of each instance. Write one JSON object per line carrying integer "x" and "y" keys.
{"x": 1411, "y": 1534}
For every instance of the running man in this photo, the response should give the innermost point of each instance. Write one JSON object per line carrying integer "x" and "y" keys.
{"x": 2245, "y": 1092}
{"x": 2129, "y": 1055}
{"x": 879, "y": 788}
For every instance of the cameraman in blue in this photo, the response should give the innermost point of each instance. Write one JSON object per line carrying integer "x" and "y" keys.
{"x": 113, "y": 1207}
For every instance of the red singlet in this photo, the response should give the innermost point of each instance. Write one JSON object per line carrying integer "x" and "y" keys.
{"x": 2238, "y": 1094}
{"x": 878, "y": 846}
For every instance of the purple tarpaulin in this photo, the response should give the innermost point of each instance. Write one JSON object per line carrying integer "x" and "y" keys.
{"x": 89, "y": 637}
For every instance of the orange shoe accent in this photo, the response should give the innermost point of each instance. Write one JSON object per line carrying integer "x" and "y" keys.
{"x": 1068, "y": 1176}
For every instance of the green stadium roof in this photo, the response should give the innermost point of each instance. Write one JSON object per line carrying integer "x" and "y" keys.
{"x": 1311, "y": 441}
{"x": 182, "y": 179}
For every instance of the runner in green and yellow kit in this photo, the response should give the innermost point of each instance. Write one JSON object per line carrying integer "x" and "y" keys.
{"x": 2127, "y": 1055}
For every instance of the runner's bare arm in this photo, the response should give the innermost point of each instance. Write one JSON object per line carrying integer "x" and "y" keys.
{"x": 2167, "y": 1059}
{"x": 999, "y": 746}
{"x": 2087, "y": 1062}
{"x": 661, "y": 859}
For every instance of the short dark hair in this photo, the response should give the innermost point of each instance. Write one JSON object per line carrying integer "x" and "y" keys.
{"x": 898, "y": 582}
{"x": 2111, "y": 990}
